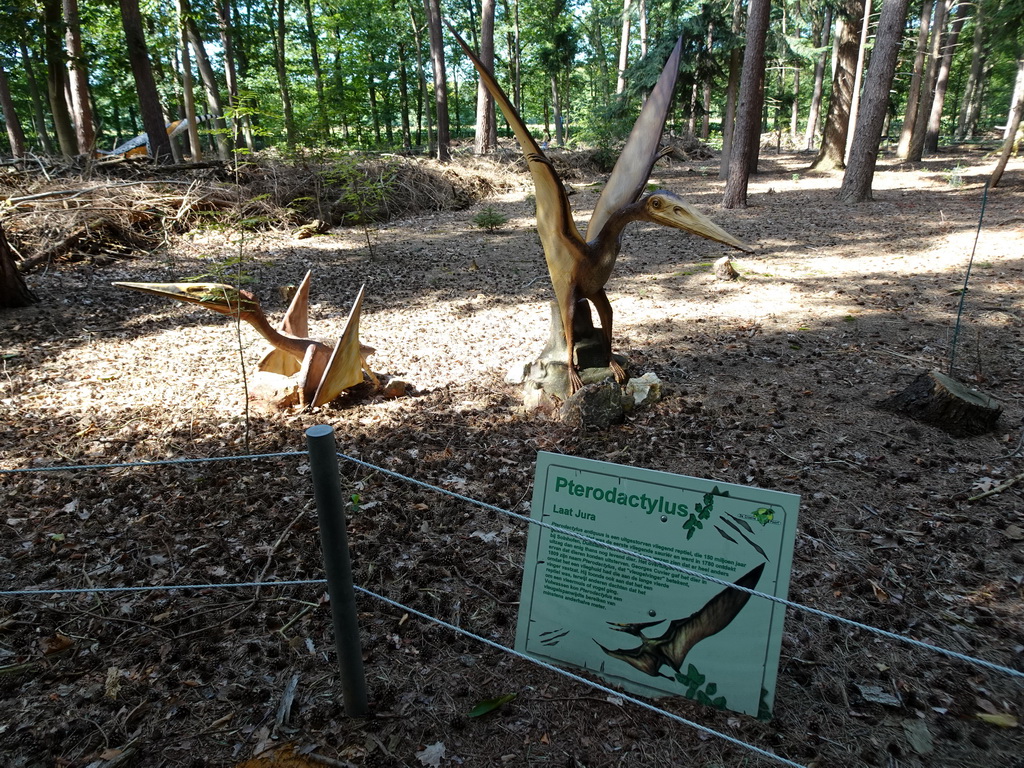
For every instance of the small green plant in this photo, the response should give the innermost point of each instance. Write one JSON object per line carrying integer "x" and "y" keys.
{"x": 490, "y": 219}
{"x": 955, "y": 176}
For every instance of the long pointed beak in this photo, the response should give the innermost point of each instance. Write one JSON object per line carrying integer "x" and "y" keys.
{"x": 672, "y": 211}
{"x": 225, "y": 299}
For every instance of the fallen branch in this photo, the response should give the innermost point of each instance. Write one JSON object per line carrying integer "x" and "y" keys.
{"x": 999, "y": 488}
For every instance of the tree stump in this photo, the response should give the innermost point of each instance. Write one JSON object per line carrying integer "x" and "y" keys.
{"x": 936, "y": 399}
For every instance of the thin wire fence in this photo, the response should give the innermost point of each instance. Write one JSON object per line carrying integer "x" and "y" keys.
{"x": 41, "y": 591}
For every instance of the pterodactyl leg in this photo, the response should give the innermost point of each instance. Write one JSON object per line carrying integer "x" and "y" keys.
{"x": 604, "y": 312}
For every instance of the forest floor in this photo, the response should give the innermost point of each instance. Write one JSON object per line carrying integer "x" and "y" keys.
{"x": 770, "y": 380}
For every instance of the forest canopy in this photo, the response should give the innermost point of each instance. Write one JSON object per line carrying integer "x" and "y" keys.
{"x": 358, "y": 74}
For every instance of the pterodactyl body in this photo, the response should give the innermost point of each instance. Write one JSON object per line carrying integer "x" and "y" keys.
{"x": 580, "y": 267}
{"x": 320, "y": 372}
{"x": 670, "y": 648}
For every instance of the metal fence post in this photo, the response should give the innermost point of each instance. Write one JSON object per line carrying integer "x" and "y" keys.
{"x": 330, "y": 507}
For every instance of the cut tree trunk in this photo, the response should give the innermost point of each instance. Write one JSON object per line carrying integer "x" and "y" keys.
{"x": 936, "y": 399}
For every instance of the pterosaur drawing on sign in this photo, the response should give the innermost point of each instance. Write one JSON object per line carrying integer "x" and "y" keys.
{"x": 671, "y": 648}
{"x": 579, "y": 267}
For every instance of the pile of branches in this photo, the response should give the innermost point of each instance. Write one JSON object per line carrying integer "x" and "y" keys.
{"x": 103, "y": 214}
{"x": 100, "y": 220}
{"x": 360, "y": 188}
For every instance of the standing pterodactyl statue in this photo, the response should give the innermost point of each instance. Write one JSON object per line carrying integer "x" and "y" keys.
{"x": 580, "y": 268}
{"x": 316, "y": 370}
{"x": 682, "y": 634}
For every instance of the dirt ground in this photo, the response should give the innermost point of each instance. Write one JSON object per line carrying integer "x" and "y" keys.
{"x": 770, "y": 380}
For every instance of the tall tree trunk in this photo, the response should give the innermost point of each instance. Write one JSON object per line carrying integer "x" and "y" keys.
{"x": 56, "y": 80}
{"x": 916, "y": 78}
{"x": 318, "y": 74}
{"x": 145, "y": 84}
{"x": 641, "y": 12}
{"x": 211, "y": 87}
{"x": 421, "y": 77}
{"x": 620, "y": 81}
{"x": 13, "y": 291}
{"x": 241, "y": 127}
{"x": 971, "y": 107}
{"x": 931, "y": 137}
{"x": 1012, "y": 124}
{"x": 732, "y": 91}
{"x": 556, "y": 107}
{"x": 862, "y": 49}
{"x": 821, "y": 41}
{"x": 186, "y": 84}
{"x": 748, "y": 112}
{"x": 281, "y": 67}
{"x": 867, "y": 133}
{"x": 486, "y": 124}
{"x": 837, "y": 122}
{"x": 14, "y": 133}
{"x": 36, "y": 99}
{"x": 705, "y": 102}
{"x": 444, "y": 140}
{"x": 403, "y": 97}
{"x": 85, "y": 129}
{"x": 924, "y": 107}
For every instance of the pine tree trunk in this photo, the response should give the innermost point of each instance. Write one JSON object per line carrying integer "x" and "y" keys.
{"x": 318, "y": 74}
{"x": 85, "y": 129}
{"x": 862, "y": 49}
{"x": 620, "y": 81}
{"x": 444, "y": 139}
{"x": 924, "y": 108}
{"x": 186, "y": 84}
{"x": 931, "y": 137}
{"x": 1012, "y": 124}
{"x": 36, "y": 99}
{"x": 867, "y": 134}
{"x": 914, "y": 95}
{"x": 748, "y": 112}
{"x": 14, "y": 132}
{"x": 56, "y": 77}
{"x": 837, "y": 122}
{"x": 145, "y": 84}
{"x": 732, "y": 92}
{"x": 971, "y": 107}
{"x": 821, "y": 41}
{"x": 212, "y": 88}
{"x": 486, "y": 139}
{"x": 278, "y": 29}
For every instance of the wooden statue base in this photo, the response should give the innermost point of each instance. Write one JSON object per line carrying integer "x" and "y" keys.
{"x": 936, "y": 399}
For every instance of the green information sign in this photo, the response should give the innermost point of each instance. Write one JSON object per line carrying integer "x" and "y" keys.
{"x": 651, "y": 629}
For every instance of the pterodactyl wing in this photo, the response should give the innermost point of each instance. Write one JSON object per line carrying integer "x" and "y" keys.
{"x": 633, "y": 168}
{"x": 554, "y": 215}
{"x": 345, "y": 368}
{"x": 715, "y": 616}
{"x": 295, "y": 323}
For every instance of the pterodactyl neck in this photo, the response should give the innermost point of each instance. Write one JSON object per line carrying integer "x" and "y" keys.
{"x": 293, "y": 345}
{"x": 604, "y": 248}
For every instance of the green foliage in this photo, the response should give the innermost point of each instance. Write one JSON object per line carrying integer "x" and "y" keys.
{"x": 694, "y": 682}
{"x": 702, "y": 512}
{"x": 490, "y": 219}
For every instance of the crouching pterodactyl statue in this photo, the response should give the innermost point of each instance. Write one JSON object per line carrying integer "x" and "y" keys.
{"x": 297, "y": 365}
{"x": 580, "y": 267}
{"x": 670, "y": 648}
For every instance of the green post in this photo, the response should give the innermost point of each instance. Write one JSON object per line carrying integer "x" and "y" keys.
{"x": 330, "y": 507}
